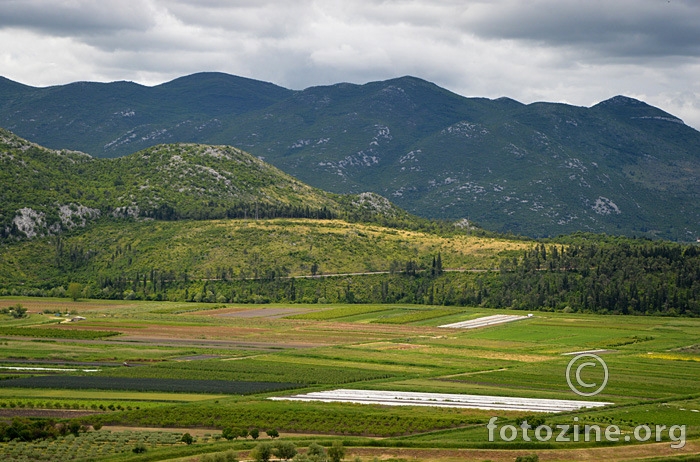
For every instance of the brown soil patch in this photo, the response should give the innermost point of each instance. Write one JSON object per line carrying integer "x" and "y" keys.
{"x": 401, "y": 329}
{"x": 382, "y": 346}
{"x": 223, "y": 344}
{"x": 247, "y": 312}
{"x": 196, "y": 357}
{"x": 199, "y": 332}
{"x": 272, "y": 313}
{"x": 38, "y": 305}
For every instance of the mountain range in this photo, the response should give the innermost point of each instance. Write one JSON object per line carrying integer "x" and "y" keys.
{"x": 620, "y": 167}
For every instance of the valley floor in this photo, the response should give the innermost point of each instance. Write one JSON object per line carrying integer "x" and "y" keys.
{"x": 200, "y": 368}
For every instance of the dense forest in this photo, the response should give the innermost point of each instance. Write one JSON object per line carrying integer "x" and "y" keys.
{"x": 614, "y": 275}
{"x": 579, "y": 273}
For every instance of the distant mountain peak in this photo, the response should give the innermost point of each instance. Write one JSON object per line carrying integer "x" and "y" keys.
{"x": 636, "y": 109}
{"x": 508, "y": 101}
{"x": 621, "y": 100}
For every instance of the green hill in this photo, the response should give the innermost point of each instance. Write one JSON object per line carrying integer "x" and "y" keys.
{"x": 47, "y": 192}
{"x": 235, "y": 249}
{"x": 212, "y": 223}
{"x": 182, "y": 213}
{"x": 620, "y": 167}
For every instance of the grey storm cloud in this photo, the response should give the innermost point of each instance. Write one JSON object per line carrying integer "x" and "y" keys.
{"x": 78, "y": 17}
{"x": 575, "y": 51}
{"x": 623, "y": 28}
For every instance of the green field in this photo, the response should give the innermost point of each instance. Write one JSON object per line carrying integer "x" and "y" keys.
{"x": 653, "y": 362}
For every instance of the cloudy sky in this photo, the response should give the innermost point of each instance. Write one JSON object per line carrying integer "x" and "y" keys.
{"x": 574, "y": 51}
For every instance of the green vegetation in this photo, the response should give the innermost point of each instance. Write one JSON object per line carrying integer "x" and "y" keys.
{"x": 653, "y": 364}
{"x": 361, "y": 290}
{"x": 91, "y": 445}
{"x": 621, "y": 166}
{"x": 271, "y": 261}
{"x": 416, "y": 316}
{"x": 319, "y": 418}
{"x": 107, "y": 251}
{"x": 285, "y": 450}
{"x": 55, "y": 332}
{"x": 262, "y": 452}
{"x": 250, "y": 369}
{"x": 619, "y": 276}
{"x": 16, "y": 311}
{"x": 74, "y": 290}
{"x": 56, "y": 191}
{"x": 336, "y": 452}
{"x": 149, "y": 257}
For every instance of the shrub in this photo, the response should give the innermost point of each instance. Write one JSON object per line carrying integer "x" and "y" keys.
{"x": 262, "y": 452}
{"x": 530, "y": 458}
{"x": 316, "y": 449}
{"x": 229, "y": 433}
{"x": 285, "y": 450}
{"x": 336, "y": 452}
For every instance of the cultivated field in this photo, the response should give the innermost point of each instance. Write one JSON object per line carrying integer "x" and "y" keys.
{"x": 201, "y": 368}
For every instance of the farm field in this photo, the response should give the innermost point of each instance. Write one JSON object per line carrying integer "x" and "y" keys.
{"x": 237, "y": 357}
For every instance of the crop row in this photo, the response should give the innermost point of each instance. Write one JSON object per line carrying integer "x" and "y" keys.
{"x": 145, "y": 384}
{"x": 415, "y": 316}
{"x": 344, "y": 419}
{"x": 58, "y": 332}
{"x": 88, "y": 405}
{"x": 251, "y": 370}
{"x": 336, "y": 313}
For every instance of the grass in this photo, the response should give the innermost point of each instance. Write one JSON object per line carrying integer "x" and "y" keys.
{"x": 247, "y": 248}
{"x": 410, "y": 316}
{"x": 250, "y": 369}
{"x": 55, "y": 332}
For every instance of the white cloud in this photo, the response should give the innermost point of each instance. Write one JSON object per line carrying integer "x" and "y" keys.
{"x": 576, "y": 51}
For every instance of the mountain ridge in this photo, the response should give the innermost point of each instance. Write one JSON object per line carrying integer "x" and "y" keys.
{"x": 620, "y": 166}
{"x": 55, "y": 191}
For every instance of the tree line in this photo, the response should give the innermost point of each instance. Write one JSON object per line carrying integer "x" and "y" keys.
{"x": 579, "y": 273}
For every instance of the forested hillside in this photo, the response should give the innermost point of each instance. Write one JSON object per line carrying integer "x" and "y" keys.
{"x": 319, "y": 261}
{"x": 47, "y": 192}
{"x": 544, "y": 169}
{"x": 212, "y": 223}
